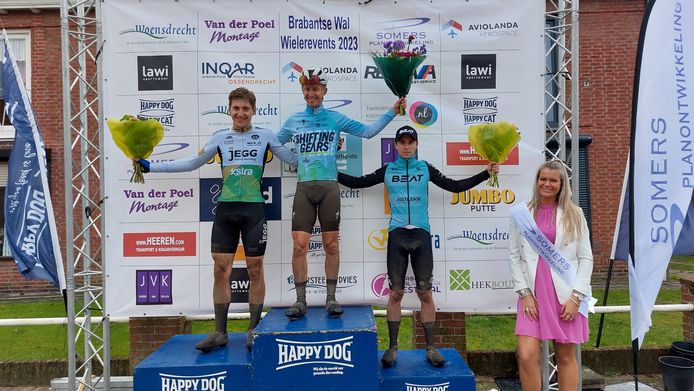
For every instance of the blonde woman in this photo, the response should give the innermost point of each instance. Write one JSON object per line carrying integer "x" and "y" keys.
{"x": 548, "y": 306}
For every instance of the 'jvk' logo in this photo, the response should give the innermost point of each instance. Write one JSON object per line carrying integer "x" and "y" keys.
{"x": 459, "y": 280}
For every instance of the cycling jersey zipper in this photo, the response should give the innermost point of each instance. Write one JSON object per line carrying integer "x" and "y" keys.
{"x": 407, "y": 181}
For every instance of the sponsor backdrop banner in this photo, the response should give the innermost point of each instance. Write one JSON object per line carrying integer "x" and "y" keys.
{"x": 177, "y": 61}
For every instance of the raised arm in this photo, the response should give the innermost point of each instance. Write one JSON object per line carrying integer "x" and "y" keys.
{"x": 452, "y": 185}
{"x": 368, "y": 180}
{"x": 356, "y": 128}
{"x": 193, "y": 162}
{"x": 282, "y": 152}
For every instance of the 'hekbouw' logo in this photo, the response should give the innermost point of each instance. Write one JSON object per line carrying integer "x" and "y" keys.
{"x": 478, "y": 71}
{"x": 378, "y": 239}
{"x": 459, "y": 280}
{"x": 427, "y": 387}
{"x": 453, "y": 28}
{"x": 159, "y": 244}
{"x": 484, "y": 200}
{"x": 161, "y": 110}
{"x": 480, "y": 110}
{"x": 336, "y": 354}
{"x": 423, "y": 114}
{"x": 209, "y": 382}
{"x": 463, "y": 154}
{"x": 154, "y": 73}
{"x": 153, "y": 287}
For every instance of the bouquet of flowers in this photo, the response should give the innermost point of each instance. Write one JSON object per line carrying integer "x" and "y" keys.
{"x": 494, "y": 142}
{"x": 397, "y": 64}
{"x": 136, "y": 138}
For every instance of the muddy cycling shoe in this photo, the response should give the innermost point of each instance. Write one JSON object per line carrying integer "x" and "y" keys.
{"x": 296, "y": 311}
{"x": 435, "y": 358}
{"x": 214, "y": 340}
{"x": 389, "y": 357}
{"x": 334, "y": 309}
{"x": 249, "y": 340}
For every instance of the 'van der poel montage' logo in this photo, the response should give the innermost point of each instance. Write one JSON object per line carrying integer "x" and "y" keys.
{"x": 332, "y": 355}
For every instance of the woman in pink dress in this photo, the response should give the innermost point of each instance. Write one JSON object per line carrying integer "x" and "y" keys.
{"x": 547, "y": 306}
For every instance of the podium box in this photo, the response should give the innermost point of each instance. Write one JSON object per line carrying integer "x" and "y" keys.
{"x": 412, "y": 372}
{"x": 316, "y": 352}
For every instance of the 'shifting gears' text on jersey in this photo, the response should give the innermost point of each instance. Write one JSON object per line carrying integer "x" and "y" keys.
{"x": 316, "y": 134}
{"x": 407, "y": 182}
{"x": 242, "y": 155}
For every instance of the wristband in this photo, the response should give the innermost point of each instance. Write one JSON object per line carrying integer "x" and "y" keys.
{"x": 524, "y": 292}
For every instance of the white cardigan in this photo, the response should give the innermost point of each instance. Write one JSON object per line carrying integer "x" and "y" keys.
{"x": 524, "y": 260}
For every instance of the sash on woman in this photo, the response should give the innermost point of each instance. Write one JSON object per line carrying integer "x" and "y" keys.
{"x": 559, "y": 263}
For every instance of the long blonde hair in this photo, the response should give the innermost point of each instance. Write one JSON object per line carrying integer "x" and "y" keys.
{"x": 571, "y": 217}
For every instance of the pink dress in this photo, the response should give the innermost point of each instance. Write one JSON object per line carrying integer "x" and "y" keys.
{"x": 549, "y": 326}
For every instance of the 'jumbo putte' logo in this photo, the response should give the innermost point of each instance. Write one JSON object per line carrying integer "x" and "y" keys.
{"x": 296, "y": 353}
{"x": 209, "y": 382}
{"x": 378, "y": 239}
{"x": 154, "y": 73}
{"x": 423, "y": 114}
{"x": 292, "y": 67}
{"x": 380, "y": 286}
{"x": 478, "y": 71}
{"x": 453, "y": 28}
{"x": 484, "y": 200}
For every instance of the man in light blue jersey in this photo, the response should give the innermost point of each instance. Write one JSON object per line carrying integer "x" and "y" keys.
{"x": 240, "y": 208}
{"x": 316, "y": 134}
{"x": 407, "y": 181}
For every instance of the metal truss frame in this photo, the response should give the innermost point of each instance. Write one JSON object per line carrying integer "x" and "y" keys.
{"x": 88, "y": 323}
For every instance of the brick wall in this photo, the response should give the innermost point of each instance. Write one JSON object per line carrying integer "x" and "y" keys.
{"x": 687, "y": 317}
{"x": 608, "y": 41}
{"x": 47, "y": 101}
{"x": 450, "y": 331}
{"x": 148, "y": 334}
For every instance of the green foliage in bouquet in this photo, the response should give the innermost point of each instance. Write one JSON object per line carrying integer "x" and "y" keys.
{"x": 136, "y": 138}
{"x": 397, "y": 64}
{"x": 494, "y": 142}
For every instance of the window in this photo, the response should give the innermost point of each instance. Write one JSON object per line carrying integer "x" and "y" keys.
{"x": 21, "y": 49}
{"x": 4, "y": 247}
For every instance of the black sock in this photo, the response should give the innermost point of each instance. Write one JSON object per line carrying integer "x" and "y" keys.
{"x": 429, "y": 331}
{"x": 256, "y": 311}
{"x": 393, "y": 329}
{"x": 332, "y": 286}
{"x": 300, "y": 291}
{"x": 220, "y": 317}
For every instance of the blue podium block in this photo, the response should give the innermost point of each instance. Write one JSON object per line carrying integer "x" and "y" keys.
{"x": 412, "y": 372}
{"x": 316, "y": 353}
{"x": 178, "y": 366}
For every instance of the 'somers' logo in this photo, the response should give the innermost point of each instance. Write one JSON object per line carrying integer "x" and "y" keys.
{"x": 153, "y": 287}
{"x": 423, "y": 114}
{"x": 463, "y": 154}
{"x": 211, "y": 382}
{"x": 427, "y": 387}
{"x": 296, "y": 353}
{"x": 452, "y": 28}
{"x": 154, "y": 73}
{"x": 378, "y": 239}
{"x": 478, "y": 71}
{"x": 379, "y": 286}
{"x": 459, "y": 280}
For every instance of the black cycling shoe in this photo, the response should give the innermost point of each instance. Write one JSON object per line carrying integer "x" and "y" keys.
{"x": 214, "y": 340}
{"x": 389, "y": 357}
{"x": 334, "y": 309}
{"x": 296, "y": 311}
{"x": 435, "y": 358}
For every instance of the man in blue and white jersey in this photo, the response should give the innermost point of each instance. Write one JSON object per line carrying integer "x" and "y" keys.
{"x": 407, "y": 181}
{"x": 316, "y": 134}
{"x": 243, "y": 151}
